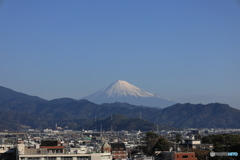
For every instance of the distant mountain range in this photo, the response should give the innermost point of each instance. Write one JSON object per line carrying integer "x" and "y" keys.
{"x": 7, "y": 94}
{"x": 18, "y": 110}
{"x": 122, "y": 91}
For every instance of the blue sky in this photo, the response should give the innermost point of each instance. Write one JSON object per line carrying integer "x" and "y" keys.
{"x": 187, "y": 51}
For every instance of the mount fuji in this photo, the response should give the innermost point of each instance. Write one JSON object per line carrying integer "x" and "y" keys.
{"x": 122, "y": 91}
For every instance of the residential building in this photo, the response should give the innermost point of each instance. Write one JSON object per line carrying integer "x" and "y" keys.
{"x": 119, "y": 151}
{"x": 52, "y": 150}
{"x": 167, "y": 155}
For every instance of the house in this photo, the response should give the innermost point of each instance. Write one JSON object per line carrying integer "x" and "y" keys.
{"x": 106, "y": 147}
{"x": 119, "y": 151}
{"x": 195, "y": 144}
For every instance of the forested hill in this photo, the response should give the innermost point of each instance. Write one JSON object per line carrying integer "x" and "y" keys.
{"x": 20, "y": 108}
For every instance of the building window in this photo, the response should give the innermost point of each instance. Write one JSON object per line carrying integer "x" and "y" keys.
{"x": 185, "y": 156}
{"x": 33, "y": 158}
{"x": 105, "y": 157}
{"x": 66, "y": 158}
{"x": 50, "y": 158}
{"x": 83, "y": 158}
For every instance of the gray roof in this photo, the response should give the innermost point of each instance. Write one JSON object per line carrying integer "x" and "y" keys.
{"x": 118, "y": 146}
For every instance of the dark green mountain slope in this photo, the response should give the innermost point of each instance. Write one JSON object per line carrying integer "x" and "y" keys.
{"x": 17, "y": 121}
{"x": 120, "y": 122}
{"x": 199, "y": 115}
{"x": 71, "y": 111}
{"x": 8, "y": 94}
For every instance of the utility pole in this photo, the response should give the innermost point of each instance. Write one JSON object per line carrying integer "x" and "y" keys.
{"x": 101, "y": 130}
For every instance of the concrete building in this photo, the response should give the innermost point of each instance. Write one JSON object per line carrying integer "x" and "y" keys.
{"x": 119, "y": 151}
{"x": 167, "y": 155}
{"x": 52, "y": 150}
{"x": 7, "y": 152}
{"x": 195, "y": 144}
{"x": 92, "y": 156}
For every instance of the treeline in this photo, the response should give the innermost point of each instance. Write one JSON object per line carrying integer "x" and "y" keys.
{"x": 221, "y": 143}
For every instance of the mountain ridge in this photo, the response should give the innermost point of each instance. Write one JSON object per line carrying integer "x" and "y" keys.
{"x": 67, "y": 111}
{"x": 9, "y": 94}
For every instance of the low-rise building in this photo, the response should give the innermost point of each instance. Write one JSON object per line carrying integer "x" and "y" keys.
{"x": 167, "y": 155}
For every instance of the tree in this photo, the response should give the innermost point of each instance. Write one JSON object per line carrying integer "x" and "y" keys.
{"x": 151, "y": 140}
{"x": 178, "y": 138}
{"x": 161, "y": 145}
{"x": 151, "y": 135}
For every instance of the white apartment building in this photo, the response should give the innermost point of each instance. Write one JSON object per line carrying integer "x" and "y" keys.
{"x": 57, "y": 153}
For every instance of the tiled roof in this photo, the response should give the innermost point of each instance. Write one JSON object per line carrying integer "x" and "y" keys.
{"x": 106, "y": 145}
{"x": 52, "y": 147}
{"x": 119, "y": 146}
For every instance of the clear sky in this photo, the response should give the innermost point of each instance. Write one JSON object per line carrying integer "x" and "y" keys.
{"x": 187, "y": 51}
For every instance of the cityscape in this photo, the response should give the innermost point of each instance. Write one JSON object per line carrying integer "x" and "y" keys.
{"x": 62, "y": 144}
{"x": 119, "y": 80}
{"x": 37, "y": 129}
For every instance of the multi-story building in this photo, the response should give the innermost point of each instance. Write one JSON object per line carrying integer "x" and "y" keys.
{"x": 52, "y": 150}
{"x": 119, "y": 151}
{"x": 167, "y": 155}
{"x": 184, "y": 156}
{"x": 195, "y": 144}
{"x": 7, "y": 152}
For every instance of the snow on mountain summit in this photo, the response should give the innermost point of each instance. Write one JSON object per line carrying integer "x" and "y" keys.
{"x": 123, "y": 88}
{"x": 122, "y": 91}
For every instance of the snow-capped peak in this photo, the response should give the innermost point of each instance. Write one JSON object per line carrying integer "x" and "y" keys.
{"x": 122, "y": 91}
{"x": 123, "y": 88}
